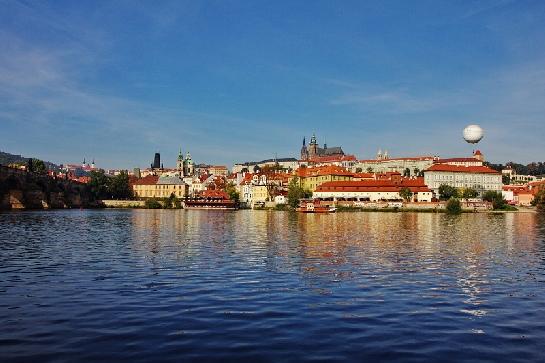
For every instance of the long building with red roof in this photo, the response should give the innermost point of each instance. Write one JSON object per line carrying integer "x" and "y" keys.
{"x": 481, "y": 178}
{"x": 374, "y": 189}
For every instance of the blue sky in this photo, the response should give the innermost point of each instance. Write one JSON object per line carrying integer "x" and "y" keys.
{"x": 245, "y": 80}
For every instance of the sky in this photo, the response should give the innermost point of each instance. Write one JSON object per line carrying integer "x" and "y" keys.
{"x": 235, "y": 81}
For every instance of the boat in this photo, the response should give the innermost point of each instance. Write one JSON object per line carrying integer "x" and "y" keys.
{"x": 314, "y": 206}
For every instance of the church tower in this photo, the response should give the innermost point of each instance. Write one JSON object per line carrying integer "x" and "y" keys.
{"x": 188, "y": 166}
{"x": 180, "y": 164}
{"x": 313, "y": 147}
{"x": 304, "y": 150}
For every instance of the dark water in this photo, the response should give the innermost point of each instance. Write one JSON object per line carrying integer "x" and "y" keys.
{"x": 153, "y": 286}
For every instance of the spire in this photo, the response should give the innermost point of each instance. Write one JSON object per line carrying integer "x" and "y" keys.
{"x": 180, "y": 155}
{"x": 313, "y": 139}
{"x": 325, "y": 142}
{"x": 304, "y": 141}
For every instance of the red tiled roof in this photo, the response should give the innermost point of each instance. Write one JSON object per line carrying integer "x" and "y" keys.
{"x": 462, "y": 169}
{"x": 215, "y": 194}
{"x": 322, "y": 170}
{"x": 147, "y": 180}
{"x": 477, "y": 152}
{"x": 332, "y": 158}
{"x": 382, "y": 185}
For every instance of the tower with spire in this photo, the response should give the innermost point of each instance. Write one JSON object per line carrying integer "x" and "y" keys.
{"x": 313, "y": 146}
{"x": 304, "y": 150}
{"x": 180, "y": 163}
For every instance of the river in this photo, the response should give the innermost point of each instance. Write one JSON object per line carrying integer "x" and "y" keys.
{"x": 252, "y": 286}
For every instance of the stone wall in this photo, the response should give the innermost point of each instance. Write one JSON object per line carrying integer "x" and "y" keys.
{"x": 23, "y": 190}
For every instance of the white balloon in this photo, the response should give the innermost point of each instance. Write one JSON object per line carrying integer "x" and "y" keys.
{"x": 473, "y": 134}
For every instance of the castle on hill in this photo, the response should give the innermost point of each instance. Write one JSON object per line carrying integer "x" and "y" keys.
{"x": 313, "y": 150}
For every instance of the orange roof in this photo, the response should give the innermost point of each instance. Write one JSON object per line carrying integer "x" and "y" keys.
{"x": 381, "y": 185}
{"x": 477, "y": 152}
{"x": 462, "y": 169}
{"x": 332, "y": 158}
{"x": 322, "y": 170}
{"x": 364, "y": 175}
{"x": 147, "y": 180}
{"x": 215, "y": 194}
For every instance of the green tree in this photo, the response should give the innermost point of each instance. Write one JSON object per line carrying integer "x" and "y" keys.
{"x": 496, "y": 198}
{"x": 369, "y": 169}
{"x": 99, "y": 184}
{"x": 359, "y": 170}
{"x": 39, "y": 166}
{"x": 118, "y": 186}
{"x": 446, "y": 192}
{"x": 296, "y": 192}
{"x": 231, "y": 190}
{"x": 505, "y": 179}
{"x": 467, "y": 193}
{"x": 539, "y": 199}
{"x": 152, "y": 203}
{"x": 406, "y": 194}
{"x": 454, "y": 206}
{"x": 407, "y": 172}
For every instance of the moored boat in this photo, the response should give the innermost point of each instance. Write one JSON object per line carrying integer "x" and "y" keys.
{"x": 313, "y": 206}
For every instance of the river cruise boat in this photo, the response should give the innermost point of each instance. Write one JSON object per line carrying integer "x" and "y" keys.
{"x": 210, "y": 204}
{"x": 211, "y": 199}
{"x": 314, "y": 206}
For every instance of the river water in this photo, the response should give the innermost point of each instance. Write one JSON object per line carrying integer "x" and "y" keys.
{"x": 252, "y": 286}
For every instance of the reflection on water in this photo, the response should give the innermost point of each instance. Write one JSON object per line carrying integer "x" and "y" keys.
{"x": 176, "y": 285}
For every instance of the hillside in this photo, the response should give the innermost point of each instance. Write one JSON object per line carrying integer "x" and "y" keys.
{"x": 7, "y": 158}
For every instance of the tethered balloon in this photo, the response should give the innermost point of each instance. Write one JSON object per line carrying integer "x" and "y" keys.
{"x": 473, "y": 134}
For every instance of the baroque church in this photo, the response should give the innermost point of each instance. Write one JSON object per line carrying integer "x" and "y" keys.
{"x": 185, "y": 167}
{"x": 312, "y": 151}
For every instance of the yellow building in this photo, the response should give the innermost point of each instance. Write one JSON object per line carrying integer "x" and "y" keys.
{"x": 311, "y": 178}
{"x": 153, "y": 186}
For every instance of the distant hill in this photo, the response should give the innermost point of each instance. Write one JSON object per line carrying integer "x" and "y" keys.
{"x": 7, "y": 158}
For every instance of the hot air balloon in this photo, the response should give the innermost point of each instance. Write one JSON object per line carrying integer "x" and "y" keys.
{"x": 473, "y": 134}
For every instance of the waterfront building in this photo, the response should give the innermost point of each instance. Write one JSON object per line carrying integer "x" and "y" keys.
{"x": 481, "y": 178}
{"x": 311, "y": 177}
{"x": 374, "y": 190}
{"x": 153, "y": 186}
{"x": 520, "y": 195}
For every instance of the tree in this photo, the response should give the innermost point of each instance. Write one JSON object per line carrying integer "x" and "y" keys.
{"x": 407, "y": 172}
{"x": 99, "y": 184}
{"x": 454, "y": 206}
{"x": 152, "y": 203}
{"x": 359, "y": 170}
{"x": 369, "y": 169}
{"x": 119, "y": 187}
{"x": 496, "y": 198}
{"x": 539, "y": 199}
{"x": 467, "y": 193}
{"x": 416, "y": 171}
{"x": 446, "y": 192}
{"x": 406, "y": 194}
{"x": 232, "y": 191}
{"x": 296, "y": 192}
{"x": 505, "y": 179}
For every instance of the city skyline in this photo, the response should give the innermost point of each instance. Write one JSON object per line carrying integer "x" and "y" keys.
{"x": 234, "y": 82}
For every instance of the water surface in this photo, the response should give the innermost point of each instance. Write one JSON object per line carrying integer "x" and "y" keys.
{"x": 170, "y": 286}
